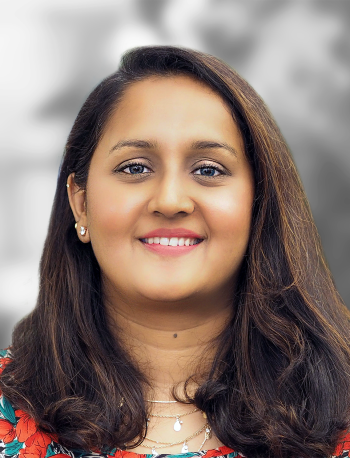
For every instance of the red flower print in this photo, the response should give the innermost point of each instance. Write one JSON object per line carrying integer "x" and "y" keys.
{"x": 218, "y": 452}
{"x": 3, "y": 363}
{"x": 7, "y": 431}
{"x": 26, "y": 426}
{"x": 39, "y": 439}
{"x": 126, "y": 454}
{"x": 38, "y": 452}
{"x": 36, "y": 446}
{"x": 32, "y": 452}
{"x": 343, "y": 445}
{"x": 225, "y": 450}
{"x": 211, "y": 453}
{"x": 60, "y": 455}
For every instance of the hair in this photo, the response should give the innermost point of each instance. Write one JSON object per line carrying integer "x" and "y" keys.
{"x": 279, "y": 384}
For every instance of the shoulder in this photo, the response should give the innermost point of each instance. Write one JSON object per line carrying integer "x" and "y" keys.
{"x": 19, "y": 434}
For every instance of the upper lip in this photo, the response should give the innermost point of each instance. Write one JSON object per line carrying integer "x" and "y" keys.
{"x": 169, "y": 233}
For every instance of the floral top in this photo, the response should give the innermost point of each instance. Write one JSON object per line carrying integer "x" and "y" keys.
{"x": 21, "y": 438}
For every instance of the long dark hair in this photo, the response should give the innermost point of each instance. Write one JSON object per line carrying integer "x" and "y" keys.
{"x": 279, "y": 385}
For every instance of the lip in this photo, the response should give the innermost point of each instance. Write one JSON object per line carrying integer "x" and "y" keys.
{"x": 166, "y": 250}
{"x": 174, "y": 232}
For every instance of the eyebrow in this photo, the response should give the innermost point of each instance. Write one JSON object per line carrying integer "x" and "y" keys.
{"x": 211, "y": 145}
{"x": 141, "y": 144}
{"x": 198, "y": 145}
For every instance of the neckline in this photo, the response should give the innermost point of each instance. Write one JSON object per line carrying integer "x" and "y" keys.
{"x": 220, "y": 451}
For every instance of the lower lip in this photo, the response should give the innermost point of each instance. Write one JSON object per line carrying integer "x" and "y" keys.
{"x": 169, "y": 250}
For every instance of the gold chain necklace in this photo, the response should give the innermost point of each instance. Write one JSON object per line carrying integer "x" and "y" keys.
{"x": 178, "y": 422}
{"x": 207, "y": 434}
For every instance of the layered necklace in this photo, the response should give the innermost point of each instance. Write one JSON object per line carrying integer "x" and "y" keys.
{"x": 154, "y": 444}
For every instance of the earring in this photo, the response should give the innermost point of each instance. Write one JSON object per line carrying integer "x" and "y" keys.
{"x": 82, "y": 230}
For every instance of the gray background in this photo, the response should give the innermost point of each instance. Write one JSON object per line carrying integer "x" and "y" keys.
{"x": 295, "y": 53}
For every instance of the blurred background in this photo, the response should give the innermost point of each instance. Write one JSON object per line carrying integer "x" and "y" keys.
{"x": 295, "y": 53}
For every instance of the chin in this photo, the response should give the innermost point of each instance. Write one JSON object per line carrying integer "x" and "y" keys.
{"x": 169, "y": 293}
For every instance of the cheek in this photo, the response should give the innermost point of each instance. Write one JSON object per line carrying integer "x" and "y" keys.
{"x": 112, "y": 212}
{"x": 229, "y": 217}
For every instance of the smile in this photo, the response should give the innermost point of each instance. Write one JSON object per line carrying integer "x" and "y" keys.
{"x": 170, "y": 246}
{"x": 172, "y": 242}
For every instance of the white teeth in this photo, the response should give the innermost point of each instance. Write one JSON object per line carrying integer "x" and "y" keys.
{"x": 173, "y": 241}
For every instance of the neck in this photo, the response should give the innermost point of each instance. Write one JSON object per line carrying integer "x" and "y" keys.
{"x": 169, "y": 341}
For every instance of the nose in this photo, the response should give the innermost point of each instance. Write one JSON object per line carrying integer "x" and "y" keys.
{"x": 170, "y": 198}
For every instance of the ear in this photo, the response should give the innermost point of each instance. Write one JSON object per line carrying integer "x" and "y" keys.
{"x": 77, "y": 201}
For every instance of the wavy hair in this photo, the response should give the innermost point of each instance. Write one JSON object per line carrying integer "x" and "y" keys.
{"x": 279, "y": 385}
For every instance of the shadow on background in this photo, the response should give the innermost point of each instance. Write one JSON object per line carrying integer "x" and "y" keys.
{"x": 294, "y": 53}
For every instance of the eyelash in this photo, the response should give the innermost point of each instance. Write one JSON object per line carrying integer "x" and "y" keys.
{"x": 204, "y": 166}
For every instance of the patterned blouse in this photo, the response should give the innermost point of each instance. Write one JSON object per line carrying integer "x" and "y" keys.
{"x": 21, "y": 438}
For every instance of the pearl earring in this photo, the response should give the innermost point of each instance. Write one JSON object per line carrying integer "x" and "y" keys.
{"x": 82, "y": 230}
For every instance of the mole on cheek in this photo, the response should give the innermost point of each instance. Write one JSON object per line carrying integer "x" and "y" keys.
{"x": 175, "y": 335}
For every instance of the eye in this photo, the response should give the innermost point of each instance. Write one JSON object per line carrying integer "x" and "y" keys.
{"x": 210, "y": 171}
{"x": 134, "y": 168}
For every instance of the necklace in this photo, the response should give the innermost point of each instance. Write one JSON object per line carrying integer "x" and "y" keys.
{"x": 178, "y": 423}
{"x": 207, "y": 434}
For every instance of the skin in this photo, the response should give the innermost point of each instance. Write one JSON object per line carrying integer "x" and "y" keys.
{"x": 168, "y": 310}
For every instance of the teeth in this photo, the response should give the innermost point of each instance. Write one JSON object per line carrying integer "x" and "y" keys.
{"x": 173, "y": 241}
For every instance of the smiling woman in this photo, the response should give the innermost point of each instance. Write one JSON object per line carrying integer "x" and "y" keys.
{"x": 185, "y": 304}
{"x": 169, "y": 181}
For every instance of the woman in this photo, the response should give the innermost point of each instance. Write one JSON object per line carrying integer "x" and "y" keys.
{"x": 185, "y": 304}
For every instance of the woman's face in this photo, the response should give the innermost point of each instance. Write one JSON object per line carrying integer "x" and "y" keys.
{"x": 169, "y": 168}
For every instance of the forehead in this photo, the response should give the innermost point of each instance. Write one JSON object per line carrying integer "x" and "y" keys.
{"x": 177, "y": 90}
{"x": 171, "y": 106}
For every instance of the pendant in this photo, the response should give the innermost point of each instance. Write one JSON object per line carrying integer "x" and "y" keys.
{"x": 177, "y": 424}
{"x": 207, "y": 433}
{"x": 154, "y": 452}
{"x": 184, "y": 448}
